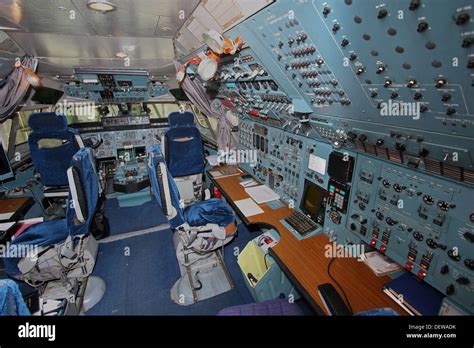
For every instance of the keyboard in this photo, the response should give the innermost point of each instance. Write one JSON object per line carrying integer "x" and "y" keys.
{"x": 301, "y": 223}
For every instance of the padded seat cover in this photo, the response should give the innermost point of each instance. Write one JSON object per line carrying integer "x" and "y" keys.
{"x": 213, "y": 211}
{"x": 278, "y": 306}
{"x": 199, "y": 214}
{"x": 56, "y": 231}
{"x": 41, "y": 234}
{"x": 51, "y": 163}
{"x": 183, "y": 145}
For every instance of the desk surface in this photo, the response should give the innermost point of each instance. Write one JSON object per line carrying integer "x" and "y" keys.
{"x": 12, "y": 208}
{"x": 305, "y": 263}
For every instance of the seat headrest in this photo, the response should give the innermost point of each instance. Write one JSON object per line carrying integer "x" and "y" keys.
{"x": 178, "y": 119}
{"x": 47, "y": 122}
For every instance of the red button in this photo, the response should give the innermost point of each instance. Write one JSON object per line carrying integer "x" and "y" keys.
{"x": 408, "y": 266}
{"x": 421, "y": 274}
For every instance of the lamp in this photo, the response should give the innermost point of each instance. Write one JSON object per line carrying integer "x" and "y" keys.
{"x": 101, "y": 5}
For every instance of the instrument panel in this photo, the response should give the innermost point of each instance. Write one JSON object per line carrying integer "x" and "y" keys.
{"x": 386, "y": 85}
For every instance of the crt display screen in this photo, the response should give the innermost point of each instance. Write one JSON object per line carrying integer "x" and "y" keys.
{"x": 312, "y": 199}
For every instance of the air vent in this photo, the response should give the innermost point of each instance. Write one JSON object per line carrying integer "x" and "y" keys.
{"x": 469, "y": 176}
{"x": 452, "y": 172}
{"x": 382, "y": 152}
{"x": 370, "y": 149}
{"x": 433, "y": 166}
{"x": 360, "y": 145}
{"x": 395, "y": 156}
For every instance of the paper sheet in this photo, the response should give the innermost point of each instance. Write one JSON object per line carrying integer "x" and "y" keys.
{"x": 318, "y": 164}
{"x": 262, "y": 194}
{"x": 248, "y": 207}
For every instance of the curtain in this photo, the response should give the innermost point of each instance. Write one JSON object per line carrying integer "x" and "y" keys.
{"x": 196, "y": 93}
{"x": 14, "y": 88}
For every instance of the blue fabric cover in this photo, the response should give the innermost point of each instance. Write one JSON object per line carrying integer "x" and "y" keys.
{"x": 53, "y": 163}
{"x": 199, "y": 214}
{"x": 213, "y": 210}
{"x": 278, "y": 306}
{"x": 56, "y": 231}
{"x": 155, "y": 157}
{"x": 177, "y": 119}
{"x": 378, "y": 312}
{"x": 183, "y": 145}
{"x": 11, "y": 300}
{"x": 83, "y": 160}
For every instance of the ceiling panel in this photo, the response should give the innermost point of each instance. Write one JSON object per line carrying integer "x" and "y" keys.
{"x": 131, "y": 18}
{"x": 93, "y": 47}
{"x": 44, "y": 16}
{"x": 50, "y": 65}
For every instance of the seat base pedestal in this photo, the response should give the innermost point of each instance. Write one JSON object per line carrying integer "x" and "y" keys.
{"x": 202, "y": 280}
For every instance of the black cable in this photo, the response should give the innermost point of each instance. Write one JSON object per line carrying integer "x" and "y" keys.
{"x": 338, "y": 285}
{"x": 265, "y": 260}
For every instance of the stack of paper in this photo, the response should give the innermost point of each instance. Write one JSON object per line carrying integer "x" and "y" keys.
{"x": 379, "y": 264}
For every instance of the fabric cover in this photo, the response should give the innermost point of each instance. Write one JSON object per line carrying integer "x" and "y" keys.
{"x": 51, "y": 163}
{"x": 378, "y": 312}
{"x": 56, "y": 231}
{"x": 14, "y": 88}
{"x": 278, "y": 306}
{"x": 213, "y": 211}
{"x": 199, "y": 214}
{"x": 178, "y": 119}
{"x": 154, "y": 160}
{"x": 183, "y": 145}
{"x": 11, "y": 300}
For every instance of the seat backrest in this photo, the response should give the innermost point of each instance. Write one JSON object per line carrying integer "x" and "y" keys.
{"x": 183, "y": 149}
{"x": 83, "y": 192}
{"x": 83, "y": 198}
{"x": 52, "y": 144}
{"x": 164, "y": 188}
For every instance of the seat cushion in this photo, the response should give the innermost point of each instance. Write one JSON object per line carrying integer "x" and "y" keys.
{"x": 42, "y": 234}
{"x": 278, "y": 306}
{"x": 212, "y": 211}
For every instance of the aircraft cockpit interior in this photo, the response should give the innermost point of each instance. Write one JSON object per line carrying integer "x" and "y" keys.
{"x": 237, "y": 158}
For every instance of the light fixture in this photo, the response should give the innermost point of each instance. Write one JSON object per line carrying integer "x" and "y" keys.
{"x": 121, "y": 55}
{"x": 101, "y": 5}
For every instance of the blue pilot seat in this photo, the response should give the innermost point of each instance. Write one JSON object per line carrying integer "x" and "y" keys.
{"x": 200, "y": 230}
{"x": 52, "y": 144}
{"x": 184, "y": 153}
{"x": 58, "y": 256}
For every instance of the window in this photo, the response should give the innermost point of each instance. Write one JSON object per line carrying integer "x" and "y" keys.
{"x": 5, "y": 133}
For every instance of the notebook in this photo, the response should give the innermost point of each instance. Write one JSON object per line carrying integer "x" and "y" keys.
{"x": 415, "y": 296}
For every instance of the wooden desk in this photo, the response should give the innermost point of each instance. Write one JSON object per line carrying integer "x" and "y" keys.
{"x": 13, "y": 209}
{"x": 304, "y": 261}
